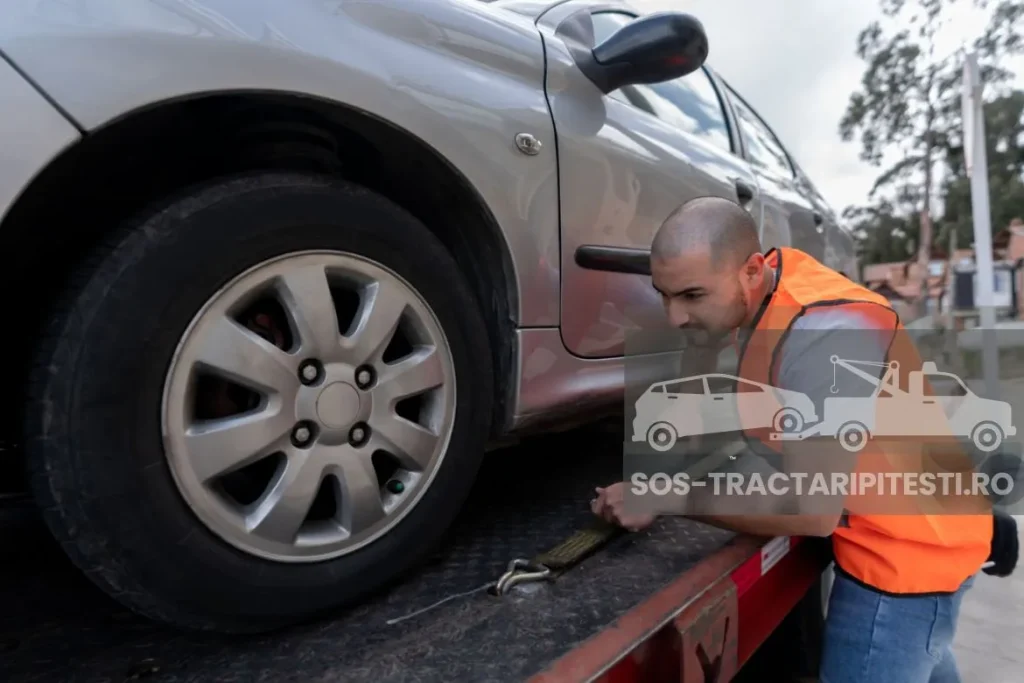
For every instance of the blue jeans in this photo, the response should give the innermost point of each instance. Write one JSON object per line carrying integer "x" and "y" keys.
{"x": 875, "y": 638}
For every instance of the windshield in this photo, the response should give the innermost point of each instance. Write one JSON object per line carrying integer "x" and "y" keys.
{"x": 947, "y": 384}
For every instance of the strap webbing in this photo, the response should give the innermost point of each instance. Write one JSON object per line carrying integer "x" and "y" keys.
{"x": 578, "y": 546}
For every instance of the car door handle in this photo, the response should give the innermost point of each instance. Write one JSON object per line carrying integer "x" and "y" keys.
{"x": 745, "y": 192}
{"x": 719, "y": 398}
{"x": 671, "y": 397}
{"x": 929, "y": 401}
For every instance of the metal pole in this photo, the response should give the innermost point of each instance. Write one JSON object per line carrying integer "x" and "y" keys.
{"x": 977, "y": 167}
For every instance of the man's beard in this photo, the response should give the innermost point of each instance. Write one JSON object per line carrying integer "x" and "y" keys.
{"x": 715, "y": 338}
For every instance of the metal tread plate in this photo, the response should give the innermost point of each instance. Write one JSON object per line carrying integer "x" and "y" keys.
{"x": 54, "y": 626}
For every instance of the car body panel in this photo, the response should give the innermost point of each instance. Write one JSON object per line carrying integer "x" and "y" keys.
{"x": 614, "y": 151}
{"x": 460, "y": 75}
{"x": 463, "y": 76}
{"x": 622, "y": 171}
{"x": 788, "y": 211}
{"x": 33, "y": 132}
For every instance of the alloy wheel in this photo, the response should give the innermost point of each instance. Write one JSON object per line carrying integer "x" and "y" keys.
{"x": 308, "y": 406}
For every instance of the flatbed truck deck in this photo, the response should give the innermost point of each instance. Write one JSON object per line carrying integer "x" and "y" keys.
{"x": 681, "y": 601}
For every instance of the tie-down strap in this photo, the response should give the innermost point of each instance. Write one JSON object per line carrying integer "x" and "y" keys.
{"x": 549, "y": 565}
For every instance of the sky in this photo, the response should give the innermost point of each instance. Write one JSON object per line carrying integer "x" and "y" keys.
{"x": 795, "y": 62}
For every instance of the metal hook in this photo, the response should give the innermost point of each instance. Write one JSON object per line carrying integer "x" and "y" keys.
{"x": 520, "y": 571}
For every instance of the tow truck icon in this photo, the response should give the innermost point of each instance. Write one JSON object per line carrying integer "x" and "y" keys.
{"x": 951, "y": 408}
{"x": 714, "y": 403}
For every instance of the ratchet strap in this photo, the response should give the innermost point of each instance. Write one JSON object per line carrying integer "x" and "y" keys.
{"x": 552, "y": 563}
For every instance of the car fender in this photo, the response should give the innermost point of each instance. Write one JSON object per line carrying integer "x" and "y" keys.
{"x": 33, "y": 134}
{"x": 463, "y": 77}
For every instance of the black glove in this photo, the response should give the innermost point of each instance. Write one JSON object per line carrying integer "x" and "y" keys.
{"x": 1005, "y": 545}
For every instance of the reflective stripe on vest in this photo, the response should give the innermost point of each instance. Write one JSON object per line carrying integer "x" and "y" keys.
{"x": 897, "y": 544}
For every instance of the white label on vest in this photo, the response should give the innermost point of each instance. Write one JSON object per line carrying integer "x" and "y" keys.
{"x": 773, "y": 551}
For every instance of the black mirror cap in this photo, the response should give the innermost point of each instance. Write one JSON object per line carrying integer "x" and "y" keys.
{"x": 652, "y": 49}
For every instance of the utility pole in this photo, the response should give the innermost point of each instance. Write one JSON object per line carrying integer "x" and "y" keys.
{"x": 976, "y": 159}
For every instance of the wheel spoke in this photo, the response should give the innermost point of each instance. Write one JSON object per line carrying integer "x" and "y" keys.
{"x": 220, "y": 446}
{"x": 378, "y": 318}
{"x": 246, "y": 358}
{"x": 418, "y": 372}
{"x": 361, "y": 504}
{"x": 307, "y": 296}
{"x": 279, "y": 514}
{"x": 411, "y": 443}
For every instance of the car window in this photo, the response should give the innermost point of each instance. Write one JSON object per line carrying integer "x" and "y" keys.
{"x": 745, "y": 387}
{"x": 764, "y": 148}
{"x": 944, "y": 384}
{"x": 605, "y": 24}
{"x": 690, "y": 103}
{"x": 690, "y": 386}
{"x": 721, "y": 385}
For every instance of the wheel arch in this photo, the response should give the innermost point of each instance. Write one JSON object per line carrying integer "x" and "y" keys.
{"x": 120, "y": 167}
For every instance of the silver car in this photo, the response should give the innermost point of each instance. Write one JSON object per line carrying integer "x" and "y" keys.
{"x": 279, "y": 273}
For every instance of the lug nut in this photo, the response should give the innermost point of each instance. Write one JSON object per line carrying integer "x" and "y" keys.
{"x": 365, "y": 376}
{"x": 359, "y": 434}
{"x": 309, "y": 371}
{"x": 302, "y": 434}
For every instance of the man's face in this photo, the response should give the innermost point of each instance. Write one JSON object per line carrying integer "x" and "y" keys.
{"x": 709, "y": 302}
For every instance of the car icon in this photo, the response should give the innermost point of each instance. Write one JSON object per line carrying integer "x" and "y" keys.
{"x": 715, "y": 403}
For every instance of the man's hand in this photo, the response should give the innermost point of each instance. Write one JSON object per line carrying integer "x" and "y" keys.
{"x": 610, "y": 506}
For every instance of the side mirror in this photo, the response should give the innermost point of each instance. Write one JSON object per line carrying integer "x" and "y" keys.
{"x": 652, "y": 49}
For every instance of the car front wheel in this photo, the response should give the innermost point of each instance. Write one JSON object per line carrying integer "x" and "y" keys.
{"x": 263, "y": 399}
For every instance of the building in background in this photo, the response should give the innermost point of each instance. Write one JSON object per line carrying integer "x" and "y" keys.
{"x": 952, "y": 279}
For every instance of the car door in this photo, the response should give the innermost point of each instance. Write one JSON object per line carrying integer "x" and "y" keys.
{"x": 626, "y": 161}
{"x": 840, "y": 247}
{"x": 790, "y": 219}
{"x": 721, "y": 406}
{"x": 687, "y": 406}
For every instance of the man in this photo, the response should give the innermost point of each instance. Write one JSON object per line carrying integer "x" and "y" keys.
{"x": 899, "y": 577}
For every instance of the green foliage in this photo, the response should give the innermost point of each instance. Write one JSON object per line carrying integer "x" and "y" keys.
{"x": 882, "y": 234}
{"x": 908, "y": 106}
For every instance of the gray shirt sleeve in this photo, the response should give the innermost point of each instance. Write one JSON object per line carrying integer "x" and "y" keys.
{"x": 805, "y": 364}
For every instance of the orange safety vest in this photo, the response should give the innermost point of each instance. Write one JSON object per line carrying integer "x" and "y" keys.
{"x": 899, "y": 544}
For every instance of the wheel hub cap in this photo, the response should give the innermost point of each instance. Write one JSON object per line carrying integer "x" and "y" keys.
{"x": 338, "y": 406}
{"x": 298, "y": 464}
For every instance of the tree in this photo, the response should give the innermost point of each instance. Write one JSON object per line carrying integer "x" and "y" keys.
{"x": 882, "y": 234}
{"x": 908, "y": 103}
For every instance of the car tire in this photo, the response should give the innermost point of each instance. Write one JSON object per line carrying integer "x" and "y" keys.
{"x": 101, "y": 468}
{"x": 788, "y": 421}
{"x": 662, "y": 436}
{"x": 987, "y": 436}
{"x": 853, "y": 436}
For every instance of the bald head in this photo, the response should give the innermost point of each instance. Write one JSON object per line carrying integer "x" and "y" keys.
{"x": 714, "y": 225}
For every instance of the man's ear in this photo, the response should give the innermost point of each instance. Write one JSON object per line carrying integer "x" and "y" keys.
{"x": 753, "y": 269}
